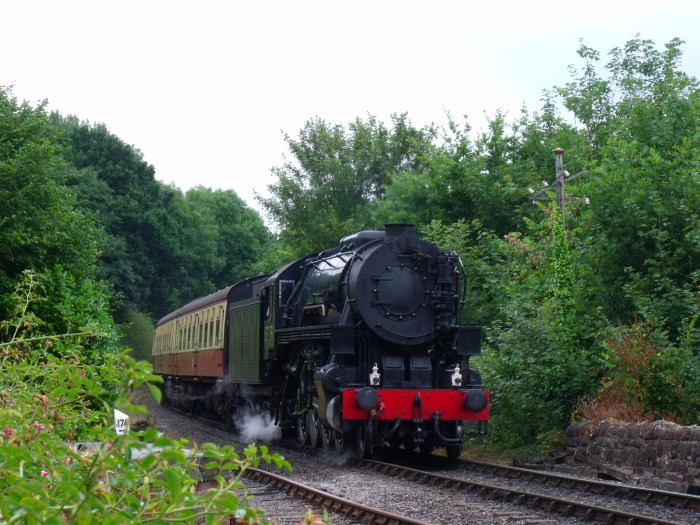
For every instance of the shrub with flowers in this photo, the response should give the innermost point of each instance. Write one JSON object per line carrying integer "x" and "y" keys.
{"x": 57, "y": 392}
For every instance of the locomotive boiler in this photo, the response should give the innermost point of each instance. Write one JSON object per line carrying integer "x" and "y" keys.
{"x": 359, "y": 346}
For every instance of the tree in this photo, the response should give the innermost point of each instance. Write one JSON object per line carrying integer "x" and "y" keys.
{"x": 644, "y": 187}
{"x": 240, "y": 238}
{"x": 589, "y": 98}
{"x": 40, "y": 225}
{"x": 326, "y": 192}
{"x": 118, "y": 187}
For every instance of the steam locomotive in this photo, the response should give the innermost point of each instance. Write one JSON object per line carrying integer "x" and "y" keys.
{"x": 356, "y": 347}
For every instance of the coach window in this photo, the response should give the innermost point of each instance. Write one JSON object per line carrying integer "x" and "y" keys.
{"x": 217, "y": 331}
{"x": 204, "y": 337}
{"x": 193, "y": 329}
{"x": 210, "y": 328}
{"x": 195, "y": 332}
{"x": 188, "y": 343}
{"x": 203, "y": 327}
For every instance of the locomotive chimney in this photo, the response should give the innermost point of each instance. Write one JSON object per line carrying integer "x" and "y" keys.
{"x": 394, "y": 231}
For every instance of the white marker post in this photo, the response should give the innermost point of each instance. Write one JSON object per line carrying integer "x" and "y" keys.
{"x": 121, "y": 422}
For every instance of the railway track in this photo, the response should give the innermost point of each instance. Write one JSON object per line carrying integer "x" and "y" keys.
{"x": 630, "y": 492}
{"x": 541, "y": 495}
{"x": 654, "y": 501}
{"x": 287, "y": 501}
{"x": 350, "y": 512}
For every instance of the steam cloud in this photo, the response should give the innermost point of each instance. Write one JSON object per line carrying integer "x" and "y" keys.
{"x": 258, "y": 428}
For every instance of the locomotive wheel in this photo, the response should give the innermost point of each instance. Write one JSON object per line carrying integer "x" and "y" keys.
{"x": 362, "y": 439}
{"x": 302, "y": 430}
{"x": 313, "y": 426}
{"x": 326, "y": 435}
{"x": 339, "y": 441}
{"x": 453, "y": 451}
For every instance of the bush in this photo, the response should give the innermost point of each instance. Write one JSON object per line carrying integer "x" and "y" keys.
{"x": 648, "y": 378}
{"x": 540, "y": 356}
{"x": 138, "y": 333}
{"x": 59, "y": 388}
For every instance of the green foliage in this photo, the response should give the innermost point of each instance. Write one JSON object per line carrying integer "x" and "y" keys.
{"x": 138, "y": 333}
{"x": 112, "y": 181}
{"x": 541, "y": 352}
{"x": 588, "y": 97}
{"x": 409, "y": 199}
{"x": 240, "y": 236}
{"x": 654, "y": 377}
{"x": 56, "y": 390}
{"x": 644, "y": 186}
{"x": 161, "y": 248}
{"x": 40, "y": 225}
{"x": 483, "y": 179}
{"x": 326, "y": 192}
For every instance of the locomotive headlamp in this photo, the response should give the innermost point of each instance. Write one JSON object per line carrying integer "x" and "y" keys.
{"x": 456, "y": 377}
{"x": 475, "y": 401}
{"x": 367, "y": 398}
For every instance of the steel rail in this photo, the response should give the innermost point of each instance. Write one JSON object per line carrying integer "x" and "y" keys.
{"x": 356, "y": 511}
{"x": 639, "y": 493}
{"x": 534, "y": 500}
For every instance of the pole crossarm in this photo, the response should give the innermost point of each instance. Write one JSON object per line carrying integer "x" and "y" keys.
{"x": 537, "y": 194}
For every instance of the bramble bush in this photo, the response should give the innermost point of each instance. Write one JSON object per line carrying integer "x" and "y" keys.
{"x": 647, "y": 377}
{"x": 58, "y": 389}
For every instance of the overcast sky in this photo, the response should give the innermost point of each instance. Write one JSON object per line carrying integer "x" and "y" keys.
{"x": 205, "y": 89}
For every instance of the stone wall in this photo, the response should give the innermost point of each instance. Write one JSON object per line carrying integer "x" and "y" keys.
{"x": 660, "y": 454}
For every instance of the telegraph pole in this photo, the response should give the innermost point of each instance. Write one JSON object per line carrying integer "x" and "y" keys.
{"x": 559, "y": 170}
{"x": 561, "y": 176}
